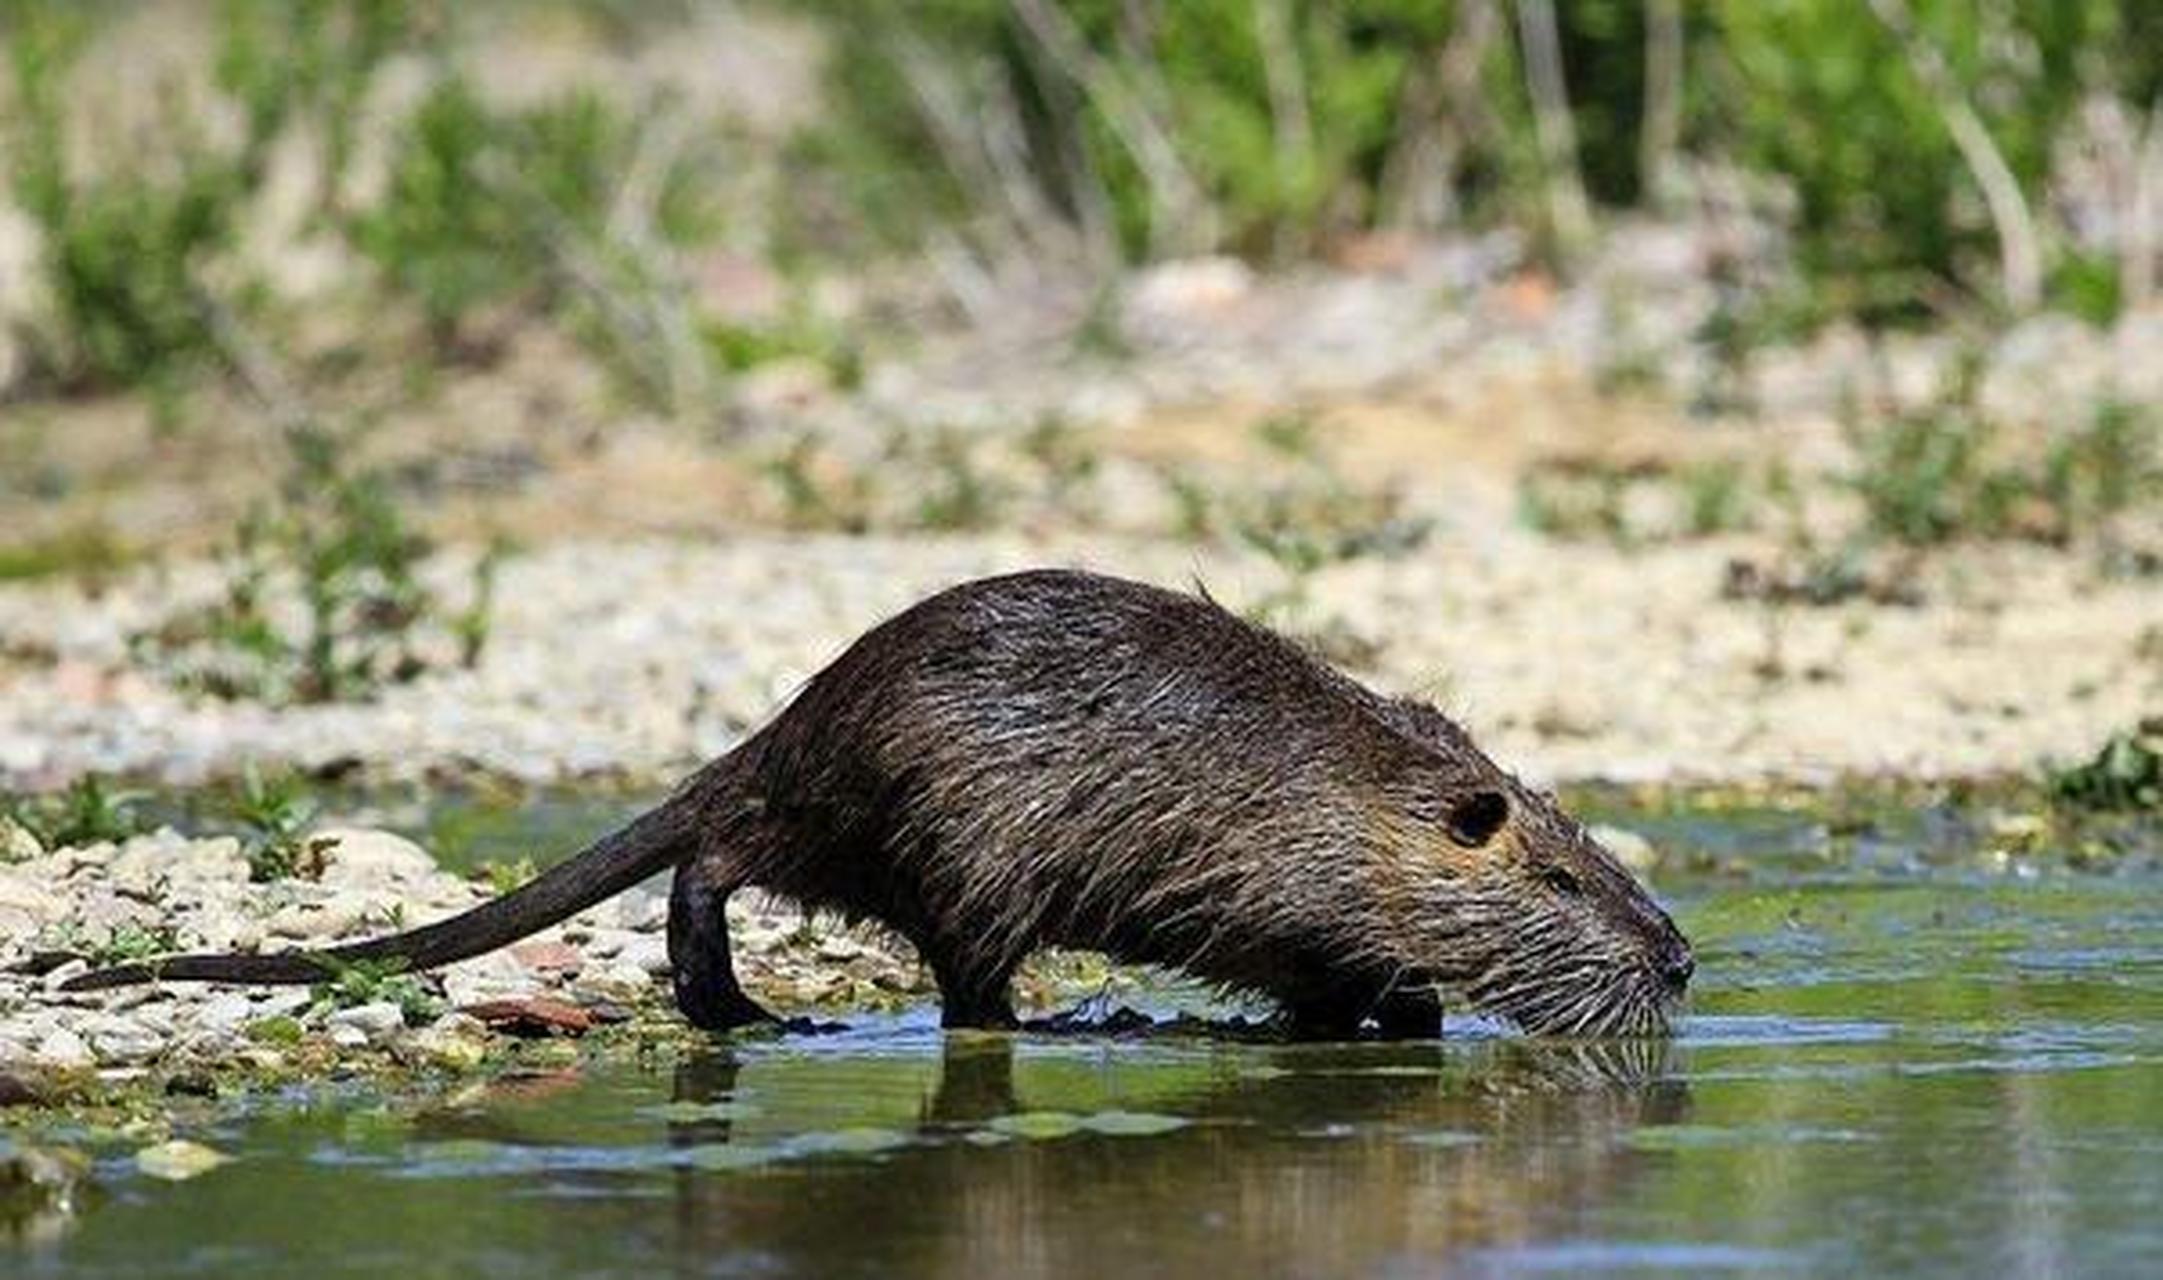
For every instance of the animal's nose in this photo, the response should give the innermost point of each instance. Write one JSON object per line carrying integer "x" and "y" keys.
{"x": 1676, "y": 967}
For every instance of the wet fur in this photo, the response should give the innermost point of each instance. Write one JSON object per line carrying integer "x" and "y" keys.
{"x": 1061, "y": 759}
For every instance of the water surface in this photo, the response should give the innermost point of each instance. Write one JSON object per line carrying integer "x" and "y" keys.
{"x": 1906, "y": 1056}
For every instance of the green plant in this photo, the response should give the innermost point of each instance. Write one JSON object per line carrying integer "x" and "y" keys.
{"x": 130, "y": 943}
{"x": 88, "y": 812}
{"x": 505, "y": 877}
{"x": 2125, "y": 774}
{"x": 138, "y": 257}
{"x": 1573, "y": 500}
{"x": 125, "y": 252}
{"x": 1933, "y": 475}
{"x": 336, "y": 538}
{"x": 348, "y": 985}
{"x": 1714, "y": 497}
{"x": 955, "y": 493}
{"x": 1065, "y": 456}
{"x": 568, "y": 209}
{"x": 815, "y": 491}
{"x": 276, "y": 814}
{"x": 87, "y": 551}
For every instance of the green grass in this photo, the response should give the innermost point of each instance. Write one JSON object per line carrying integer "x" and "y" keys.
{"x": 90, "y": 811}
{"x": 85, "y": 551}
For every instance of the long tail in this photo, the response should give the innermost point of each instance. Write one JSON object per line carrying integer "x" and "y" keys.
{"x": 653, "y": 841}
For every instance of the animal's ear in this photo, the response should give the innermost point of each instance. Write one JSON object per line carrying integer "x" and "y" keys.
{"x": 1474, "y": 817}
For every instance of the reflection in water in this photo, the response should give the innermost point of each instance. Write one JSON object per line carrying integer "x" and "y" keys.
{"x": 1425, "y": 1151}
{"x": 1939, "y": 1077}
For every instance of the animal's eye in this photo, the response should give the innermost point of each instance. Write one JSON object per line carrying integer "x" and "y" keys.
{"x": 1562, "y": 880}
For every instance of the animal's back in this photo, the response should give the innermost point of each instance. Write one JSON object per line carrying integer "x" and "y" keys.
{"x": 1058, "y": 758}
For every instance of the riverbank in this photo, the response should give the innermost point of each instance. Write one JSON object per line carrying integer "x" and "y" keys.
{"x": 1568, "y": 660}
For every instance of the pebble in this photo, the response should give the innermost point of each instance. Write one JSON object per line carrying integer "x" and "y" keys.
{"x": 179, "y": 1160}
{"x": 64, "y": 1048}
{"x": 375, "y": 1022}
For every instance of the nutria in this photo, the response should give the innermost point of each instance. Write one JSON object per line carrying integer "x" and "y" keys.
{"x": 1060, "y": 759}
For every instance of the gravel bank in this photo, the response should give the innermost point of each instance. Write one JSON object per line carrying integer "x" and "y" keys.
{"x": 1570, "y": 661}
{"x": 604, "y": 966}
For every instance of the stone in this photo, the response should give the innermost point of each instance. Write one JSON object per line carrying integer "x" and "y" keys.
{"x": 125, "y": 1042}
{"x": 312, "y": 921}
{"x": 179, "y": 1160}
{"x": 18, "y": 1091}
{"x": 532, "y": 1017}
{"x": 17, "y": 844}
{"x": 26, "y": 907}
{"x": 647, "y": 953}
{"x": 359, "y": 858}
{"x": 487, "y": 977}
{"x": 64, "y": 1048}
{"x": 622, "y": 982}
{"x": 548, "y": 957}
{"x": 375, "y": 1022}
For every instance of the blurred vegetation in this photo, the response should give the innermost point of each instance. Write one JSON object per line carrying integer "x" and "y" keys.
{"x": 90, "y": 811}
{"x": 2125, "y": 774}
{"x": 1914, "y": 142}
{"x": 334, "y": 538}
{"x": 1909, "y": 147}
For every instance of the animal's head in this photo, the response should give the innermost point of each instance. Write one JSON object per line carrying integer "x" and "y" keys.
{"x": 1502, "y": 896}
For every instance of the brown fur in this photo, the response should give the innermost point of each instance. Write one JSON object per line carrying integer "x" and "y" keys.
{"x": 1061, "y": 759}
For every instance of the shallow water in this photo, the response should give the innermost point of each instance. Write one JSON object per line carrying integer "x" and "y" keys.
{"x": 1905, "y": 1057}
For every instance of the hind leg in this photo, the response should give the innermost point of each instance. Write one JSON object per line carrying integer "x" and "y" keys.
{"x": 698, "y": 953}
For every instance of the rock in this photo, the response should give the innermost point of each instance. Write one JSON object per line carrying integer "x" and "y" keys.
{"x": 489, "y": 977}
{"x": 18, "y": 1091}
{"x": 179, "y": 1160}
{"x": 375, "y": 1022}
{"x": 357, "y": 858}
{"x": 57, "y": 976}
{"x": 647, "y": 953}
{"x": 225, "y": 1013}
{"x": 191, "y": 1084}
{"x": 348, "y": 1037}
{"x": 16, "y": 842}
{"x": 1188, "y": 290}
{"x": 457, "y": 1041}
{"x": 63, "y": 1048}
{"x": 620, "y": 982}
{"x": 156, "y": 864}
{"x": 1630, "y": 849}
{"x": 315, "y": 921}
{"x": 532, "y": 1017}
{"x": 26, "y": 907}
{"x": 125, "y": 1042}
{"x": 547, "y": 957}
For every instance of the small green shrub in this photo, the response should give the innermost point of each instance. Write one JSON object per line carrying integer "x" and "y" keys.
{"x": 531, "y": 211}
{"x": 2125, "y": 774}
{"x": 1932, "y": 476}
{"x": 504, "y": 877}
{"x": 336, "y": 538}
{"x": 954, "y": 491}
{"x": 275, "y": 813}
{"x": 350, "y": 985}
{"x": 87, "y": 551}
{"x": 125, "y": 251}
{"x": 88, "y": 812}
